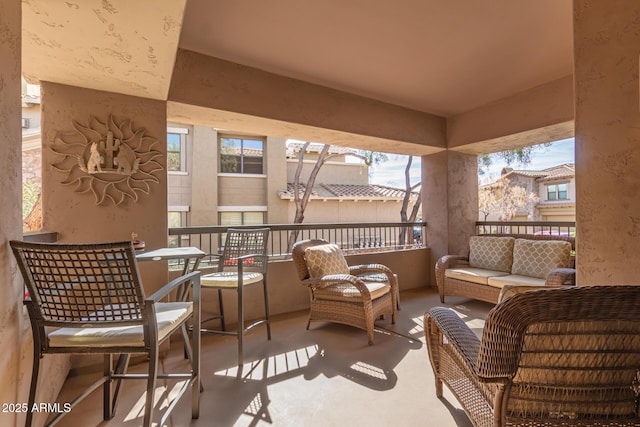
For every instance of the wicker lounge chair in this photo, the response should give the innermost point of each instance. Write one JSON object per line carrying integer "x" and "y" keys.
{"x": 337, "y": 293}
{"x": 566, "y": 356}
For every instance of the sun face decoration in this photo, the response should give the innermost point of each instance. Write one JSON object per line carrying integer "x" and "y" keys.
{"x": 113, "y": 161}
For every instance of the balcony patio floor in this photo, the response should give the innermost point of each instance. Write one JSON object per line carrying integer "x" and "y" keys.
{"x": 327, "y": 376}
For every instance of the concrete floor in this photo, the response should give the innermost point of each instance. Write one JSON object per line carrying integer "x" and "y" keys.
{"x": 327, "y": 376}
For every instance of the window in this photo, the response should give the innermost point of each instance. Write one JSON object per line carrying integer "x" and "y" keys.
{"x": 176, "y": 219}
{"x": 241, "y": 155}
{"x": 241, "y": 218}
{"x": 176, "y": 149}
{"x": 557, "y": 192}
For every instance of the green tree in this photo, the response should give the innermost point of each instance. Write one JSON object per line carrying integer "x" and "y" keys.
{"x": 521, "y": 156}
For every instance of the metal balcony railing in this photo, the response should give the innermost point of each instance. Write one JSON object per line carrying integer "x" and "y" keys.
{"x": 552, "y": 228}
{"x": 351, "y": 237}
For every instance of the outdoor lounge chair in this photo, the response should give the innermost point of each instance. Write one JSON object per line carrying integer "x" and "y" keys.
{"x": 554, "y": 357}
{"x": 337, "y": 293}
{"x": 88, "y": 299}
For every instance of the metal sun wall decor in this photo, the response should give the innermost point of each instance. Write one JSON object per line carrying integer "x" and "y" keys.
{"x": 113, "y": 161}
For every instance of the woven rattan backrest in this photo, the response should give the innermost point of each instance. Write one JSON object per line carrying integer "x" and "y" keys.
{"x": 572, "y": 352}
{"x": 577, "y": 308}
{"x": 297, "y": 253}
{"x": 241, "y": 242}
{"x": 70, "y": 283}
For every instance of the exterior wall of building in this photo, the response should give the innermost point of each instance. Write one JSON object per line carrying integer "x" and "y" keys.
{"x": 330, "y": 173}
{"x": 319, "y": 211}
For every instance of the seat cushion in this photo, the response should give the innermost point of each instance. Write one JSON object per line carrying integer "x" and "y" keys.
{"x": 470, "y": 274}
{"x": 491, "y": 253}
{"x": 229, "y": 279}
{"x": 323, "y": 260}
{"x": 169, "y": 315}
{"x": 536, "y": 258}
{"x": 347, "y": 291}
{"x": 514, "y": 279}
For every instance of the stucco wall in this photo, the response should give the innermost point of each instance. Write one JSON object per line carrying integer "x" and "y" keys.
{"x": 287, "y": 295}
{"x": 16, "y": 344}
{"x": 450, "y": 202}
{"x": 242, "y": 190}
{"x": 540, "y": 114}
{"x": 209, "y": 82}
{"x": 330, "y": 173}
{"x": 607, "y": 141}
{"x": 348, "y": 211}
{"x": 204, "y": 202}
{"x": 76, "y": 216}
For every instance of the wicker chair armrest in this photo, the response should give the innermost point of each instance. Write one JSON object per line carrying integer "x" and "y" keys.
{"x": 164, "y": 291}
{"x": 447, "y": 261}
{"x": 336, "y": 279}
{"x": 561, "y": 276}
{"x": 511, "y": 290}
{"x": 363, "y": 270}
{"x": 455, "y": 332}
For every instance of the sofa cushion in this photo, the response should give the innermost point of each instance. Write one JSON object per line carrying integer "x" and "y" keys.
{"x": 515, "y": 279}
{"x": 491, "y": 253}
{"x": 536, "y": 258}
{"x": 323, "y": 260}
{"x": 470, "y": 274}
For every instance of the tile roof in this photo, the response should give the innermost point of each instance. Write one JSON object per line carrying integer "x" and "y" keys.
{"x": 566, "y": 170}
{"x": 295, "y": 147}
{"x": 348, "y": 191}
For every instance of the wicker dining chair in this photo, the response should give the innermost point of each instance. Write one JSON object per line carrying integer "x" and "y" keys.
{"x": 89, "y": 299}
{"x": 338, "y": 292}
{"x": 243, "y": 262}
{"x": 552, "y": 357}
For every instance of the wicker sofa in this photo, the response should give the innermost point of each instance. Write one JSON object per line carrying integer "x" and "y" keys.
{"x": 549, "y": 357}
{"x": 504, "y": 261}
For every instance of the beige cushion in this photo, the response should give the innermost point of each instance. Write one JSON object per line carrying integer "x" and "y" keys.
{"x": 470, "y": 274}
{"x": 536, "y": 258}
{"x": 229, "y": 279}
{"x": 169, "y": 315}
{"x": 347, "y": 291}
{"x": 323, "y": 260}
{"x": 491, "y": 253}
{"x": 514, "y": 279}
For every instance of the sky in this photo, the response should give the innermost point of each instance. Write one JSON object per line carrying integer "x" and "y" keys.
{"x": 391, "y": 172}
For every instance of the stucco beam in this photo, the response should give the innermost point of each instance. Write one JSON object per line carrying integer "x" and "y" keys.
{"x": 542, "y": 114}
{"x": 301, "y": 110}
{"x": 227, "y": 120}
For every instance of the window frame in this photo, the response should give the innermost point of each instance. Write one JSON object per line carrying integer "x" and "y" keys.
{"x": 182, "y": 133}
{"x": 242, "y": 156}
{"x": 554, "y": 189}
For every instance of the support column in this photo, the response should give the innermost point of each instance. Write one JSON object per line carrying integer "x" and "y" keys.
{"x": 450, "y": 203}
{"x": 13, "y": 335}
{"x": 128, "y": 192}
{"x": 607, "y": 136}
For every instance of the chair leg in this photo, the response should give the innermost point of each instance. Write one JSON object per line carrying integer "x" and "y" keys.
{"x": 106, "y": 387}
{"x": 35, "y": 370}
{"x": 222, "y": 324}
{"x": 266, "y": 309}
{"x": 151, "y": 384}
{"x": 240, "y": 325}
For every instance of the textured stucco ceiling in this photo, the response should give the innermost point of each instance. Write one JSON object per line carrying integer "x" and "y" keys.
{"x": 123, "y": 46}
{"x": 444, "y": 57}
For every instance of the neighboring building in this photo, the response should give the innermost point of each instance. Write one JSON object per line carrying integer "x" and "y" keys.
{"x": 555, "y": 190}
{"x": 232, "y": 178}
